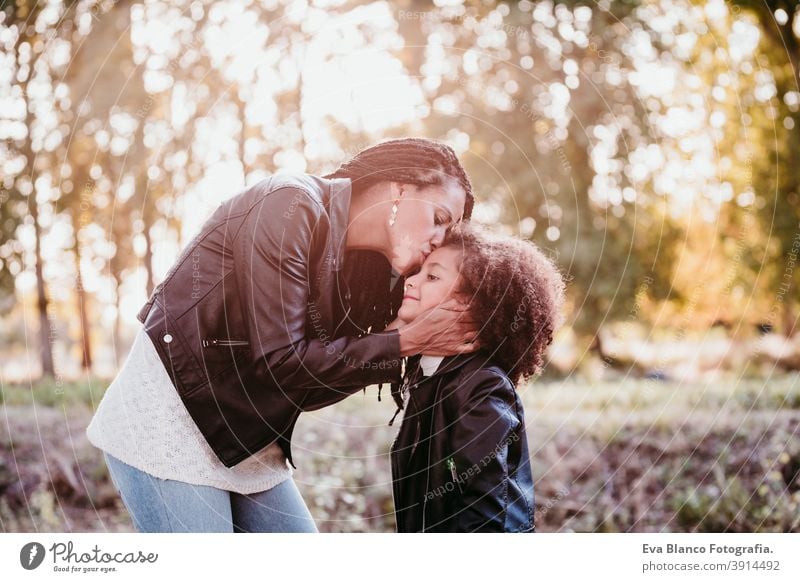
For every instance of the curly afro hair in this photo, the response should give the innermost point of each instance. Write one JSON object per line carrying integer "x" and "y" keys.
{"x": 515, "y": 291}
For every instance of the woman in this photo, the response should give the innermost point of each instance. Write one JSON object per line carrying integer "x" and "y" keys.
{"x": 275, "y": 307}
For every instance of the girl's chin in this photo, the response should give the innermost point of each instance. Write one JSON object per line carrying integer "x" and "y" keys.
{"x": 405, "y": 316}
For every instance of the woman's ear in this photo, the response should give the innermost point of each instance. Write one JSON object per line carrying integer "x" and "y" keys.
{"x": 396, "y": 190}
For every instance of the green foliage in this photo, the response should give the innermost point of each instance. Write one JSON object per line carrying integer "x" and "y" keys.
{"x": 734, "y": 508}
{"x": 619, "y": 456}
{"x": 54, "y": 392}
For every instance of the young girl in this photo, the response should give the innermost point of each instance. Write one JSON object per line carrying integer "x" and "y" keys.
{"x": 460, "y": 461}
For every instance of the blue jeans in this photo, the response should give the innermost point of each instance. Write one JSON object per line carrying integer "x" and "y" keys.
{"x": 164, "y": 505}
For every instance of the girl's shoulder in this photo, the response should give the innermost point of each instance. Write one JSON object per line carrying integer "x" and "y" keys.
{"x": 479, "y": 377}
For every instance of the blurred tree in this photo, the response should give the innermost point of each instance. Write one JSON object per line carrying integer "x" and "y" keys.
{"x": 541, "y": 95}
{"x": 577, "y": 80}
{"x": 103, "y": 60}
{"x": 779, "y": 24}
{"x": 571, "y": 117}
{"x": 35, "y": 59}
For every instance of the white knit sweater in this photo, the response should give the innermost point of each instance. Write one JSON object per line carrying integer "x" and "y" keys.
{"x": 142, "y": 421}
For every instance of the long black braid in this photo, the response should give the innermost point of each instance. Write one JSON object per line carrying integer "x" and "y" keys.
{"x": 377, "y": 292}
{"x": 399, "y": 390}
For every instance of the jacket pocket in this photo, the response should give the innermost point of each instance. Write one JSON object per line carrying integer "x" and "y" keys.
{"x": 219, "y": 355}
{"x": 218, "y": 331}
{"x": 174, "y": 351}
{"x": 224, "y": 342}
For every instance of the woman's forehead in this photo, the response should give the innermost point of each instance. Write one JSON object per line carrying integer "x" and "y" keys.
{"x": 450, "y": 197}
{"x": 457, "y": 197}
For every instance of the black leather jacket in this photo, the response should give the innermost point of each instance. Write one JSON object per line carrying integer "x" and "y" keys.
{"x": 460, "y": 461}
{"x": 245, "y": 322}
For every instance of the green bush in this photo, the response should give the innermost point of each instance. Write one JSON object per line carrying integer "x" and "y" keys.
{"x": 627, "y": 456}
{"x": 54, "y": 392}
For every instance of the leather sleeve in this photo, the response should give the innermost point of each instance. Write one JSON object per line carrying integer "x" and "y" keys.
{"x": 271, "y": 261}
{"x": 483, "y": 425}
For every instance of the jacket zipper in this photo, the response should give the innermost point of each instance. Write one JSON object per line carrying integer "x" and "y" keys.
{"x": 451, "y": 464}
{"x": 208, "y": 343}
{"x": 395, "y": 485}
{"x": 416, "y": 441}
{"x": 418, "y": 424}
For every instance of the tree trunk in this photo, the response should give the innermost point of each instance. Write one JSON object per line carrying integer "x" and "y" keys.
{"x": 48, "y": 368}
{"x": 789, "y": 319}
{"x": 46, "y": 348}
{"x": 240, "y": 107}
{"x": 148, "y": 259}
{"x": 300, "y": 87}
{"x": 146, "y": 212}
{"x": 83, "y": 307}
{"x": 117, "y": 321}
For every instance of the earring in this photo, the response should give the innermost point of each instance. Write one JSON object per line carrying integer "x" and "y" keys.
{"x": 393, "y": 217}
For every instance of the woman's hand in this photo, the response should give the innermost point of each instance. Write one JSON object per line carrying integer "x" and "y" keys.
{"x": 444, "y": 330}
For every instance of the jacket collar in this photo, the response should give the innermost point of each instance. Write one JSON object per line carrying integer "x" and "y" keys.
{"x": 338, "y": 203}
{"x": 452, "y": 363}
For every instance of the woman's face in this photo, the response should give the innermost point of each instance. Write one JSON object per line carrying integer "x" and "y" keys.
{"x": 423, "y": 217}
{"x": 436, "y": 282}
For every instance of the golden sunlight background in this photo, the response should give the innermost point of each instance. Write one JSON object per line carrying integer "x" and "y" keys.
{"x": 651, "y": 146}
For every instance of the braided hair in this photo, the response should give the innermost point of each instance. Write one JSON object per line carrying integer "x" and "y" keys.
{"x": 378, "y": 292}
{"x": 411, "y": 160}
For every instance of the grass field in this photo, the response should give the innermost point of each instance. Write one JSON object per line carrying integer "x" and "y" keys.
{"x": 631, "y": 455}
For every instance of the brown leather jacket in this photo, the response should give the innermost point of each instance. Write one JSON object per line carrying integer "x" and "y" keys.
{"x": 245, "y": 322}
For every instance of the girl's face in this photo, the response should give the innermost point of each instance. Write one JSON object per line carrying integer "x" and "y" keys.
{"x": 423, "y": 217}
{"x": 436, "y": 282}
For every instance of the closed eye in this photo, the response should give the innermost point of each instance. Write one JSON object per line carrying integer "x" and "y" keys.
{"x": 444, "y": 218}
